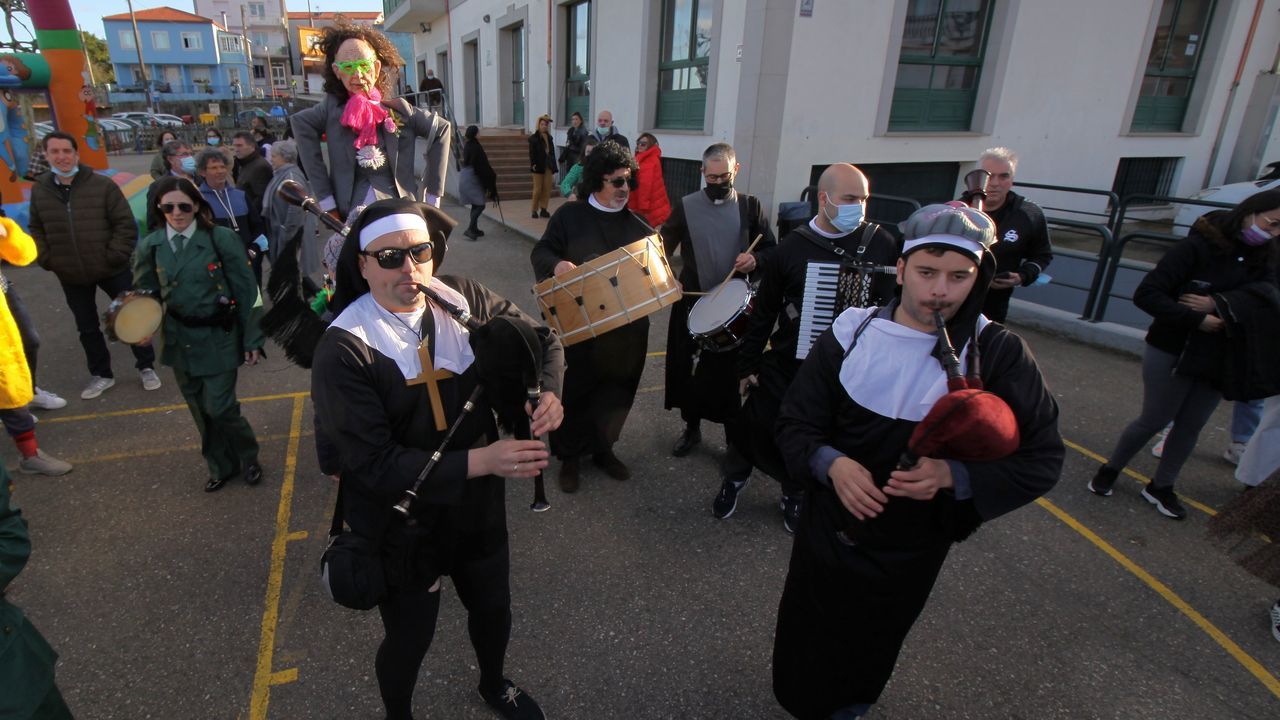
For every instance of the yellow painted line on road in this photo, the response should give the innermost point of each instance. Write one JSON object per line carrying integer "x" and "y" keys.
{"x": 1234, "y": 650}
{"x": 263, "y": 677}
{"x": 659, "y": 353}
{"x": 297, "y": 535}
{"x": 1138, "y": 476}
{"x": 154, "y": 452}
{"x": 159, "y": 408}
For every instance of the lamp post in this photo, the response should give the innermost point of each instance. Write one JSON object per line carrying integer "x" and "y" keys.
{"x": 142, "y": 68}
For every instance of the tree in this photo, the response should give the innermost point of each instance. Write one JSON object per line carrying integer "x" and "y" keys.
{"x": 99, "y": 57}
{"x": 15, "y": 14}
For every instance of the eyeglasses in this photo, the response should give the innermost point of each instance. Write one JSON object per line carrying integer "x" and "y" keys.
{"x": 169, "y": 208}
{"x": 353, "y": 67}
{"x": 619, "y": 181}
{"x": 393, "y": 258}
{"x": 715, "y": 179}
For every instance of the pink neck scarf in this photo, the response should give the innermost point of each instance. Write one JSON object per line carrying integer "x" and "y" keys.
{"x": 363, "y": 114}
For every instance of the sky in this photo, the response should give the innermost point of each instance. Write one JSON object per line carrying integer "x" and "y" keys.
{"x": 89, "y": 13}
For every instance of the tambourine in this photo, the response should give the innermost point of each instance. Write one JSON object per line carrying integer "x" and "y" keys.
{"x": 133, "y": 317}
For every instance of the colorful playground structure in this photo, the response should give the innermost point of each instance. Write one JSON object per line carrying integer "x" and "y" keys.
{"x": 55, "y": 78}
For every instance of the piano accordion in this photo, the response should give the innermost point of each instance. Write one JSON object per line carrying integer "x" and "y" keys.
{"x": 830, "y": 288}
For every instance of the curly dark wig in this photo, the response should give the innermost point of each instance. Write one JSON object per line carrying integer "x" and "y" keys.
{"x": 608, "y": 157}
{"x": 331, "y": 38}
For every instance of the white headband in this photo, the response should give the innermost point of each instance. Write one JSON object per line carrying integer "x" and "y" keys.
{"x": 963, "y": 244}
{"x": 390, "y": 224}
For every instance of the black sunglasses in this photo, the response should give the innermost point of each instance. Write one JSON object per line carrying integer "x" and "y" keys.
{"x": 169, "y": 208}
{"x": 619, "y": 181}
{"x": 393, "y": 258}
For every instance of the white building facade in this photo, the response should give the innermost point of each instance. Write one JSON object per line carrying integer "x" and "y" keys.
{"x": 1157, "y": 96}
{"x": 263, "y": 24}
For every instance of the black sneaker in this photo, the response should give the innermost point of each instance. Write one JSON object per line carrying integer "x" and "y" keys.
{"x": 1166, "y": 501}
{"x": 727, "y": 499}
{"x": 511, "y": 702}
{"x": 790, "y": 506}
{"x": 1103, "y": 481}
{"x": 688, "y": 440}
{"x": 543, "y": 213}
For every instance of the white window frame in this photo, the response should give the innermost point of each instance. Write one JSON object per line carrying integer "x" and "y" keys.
{"x": 126, "y": 40}
{"x": 156, "y": 35}
{"x": 230, "y": 44}
{"x": 279, "y": 76}
{"x": 197, "y": 41}
{"x": 257, "y": 9}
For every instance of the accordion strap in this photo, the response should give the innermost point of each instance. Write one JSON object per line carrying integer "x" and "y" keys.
{"x": 869, "y": 231}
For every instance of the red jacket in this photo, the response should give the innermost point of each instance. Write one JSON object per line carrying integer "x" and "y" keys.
{"x": 650, "y": 197}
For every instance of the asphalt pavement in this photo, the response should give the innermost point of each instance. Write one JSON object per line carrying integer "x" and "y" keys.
{"x": 630, "y": 599}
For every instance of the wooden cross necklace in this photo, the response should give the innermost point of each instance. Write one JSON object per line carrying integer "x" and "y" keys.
{"x": 429, "y": 376}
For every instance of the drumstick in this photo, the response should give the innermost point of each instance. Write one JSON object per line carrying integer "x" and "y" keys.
{"x": 728, "y": 277}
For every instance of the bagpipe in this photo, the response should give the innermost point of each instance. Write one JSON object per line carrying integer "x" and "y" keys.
{"x": 507, "y": 349}
{"x": 969, "y": 423}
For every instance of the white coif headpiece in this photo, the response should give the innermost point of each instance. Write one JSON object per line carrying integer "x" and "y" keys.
{"x": 390, "y": 224}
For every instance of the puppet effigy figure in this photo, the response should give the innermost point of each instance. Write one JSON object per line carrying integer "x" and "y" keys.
{"x": 371, "y": 137}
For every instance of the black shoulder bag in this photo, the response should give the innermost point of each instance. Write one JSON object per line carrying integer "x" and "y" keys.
{"x": 351, "y": 566}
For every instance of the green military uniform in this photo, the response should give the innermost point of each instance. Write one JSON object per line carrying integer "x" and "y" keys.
{"x": 26, "y": 660}
{"x": 193, "y": 283}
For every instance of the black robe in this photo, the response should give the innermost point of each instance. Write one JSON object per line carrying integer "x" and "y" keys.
{"x": 779, "y": 300}
{"x": 603, "y": 373}
{"x": 711, "y": 390}
{"x": 845, "y": 611}
{"x": 383, "y": 433}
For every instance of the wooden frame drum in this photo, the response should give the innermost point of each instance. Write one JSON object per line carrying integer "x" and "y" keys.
{"x": 133, "y": 317}
{"x": 608, "y": 292}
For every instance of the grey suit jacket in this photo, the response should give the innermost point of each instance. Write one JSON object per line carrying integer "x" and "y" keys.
{"x": 335, "y": 185}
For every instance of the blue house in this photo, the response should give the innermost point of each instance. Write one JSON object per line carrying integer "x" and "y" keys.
{"x": 187, "y": 57}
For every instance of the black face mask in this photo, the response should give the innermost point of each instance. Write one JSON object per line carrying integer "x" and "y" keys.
{"x": 720, "y": 191}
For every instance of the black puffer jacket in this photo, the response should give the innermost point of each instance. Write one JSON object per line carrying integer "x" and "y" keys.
{"x": 87, "y": 237}
{"x": 1205, "y": 263}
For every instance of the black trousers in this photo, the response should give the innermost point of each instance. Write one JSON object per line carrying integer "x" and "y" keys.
{"x": 26, "y": 328}
{"x": 753, "y": 443}
{"x": 476, "y": 212}
{"x": 409, "y": 618}
{"x": 82, "y": 299}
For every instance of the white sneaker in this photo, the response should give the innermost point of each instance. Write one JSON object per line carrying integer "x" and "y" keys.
{"x": 1158, "y": 449}
{"x": 1275, "y": 620}
{"x": 44, "y": 464}
{"x": 150, "y": 380}
{"x": 45, "y": 400}
{"x": 1234, "y": 452}
{"x": 97, "y": 385}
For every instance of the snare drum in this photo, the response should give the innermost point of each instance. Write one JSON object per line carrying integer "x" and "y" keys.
{"x": 719, "y": 321}
{"x": 133, "y": 317}
{"x": 608, "y": 292}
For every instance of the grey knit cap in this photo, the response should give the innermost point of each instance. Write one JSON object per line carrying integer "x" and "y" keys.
{"x": 957, "y": 227}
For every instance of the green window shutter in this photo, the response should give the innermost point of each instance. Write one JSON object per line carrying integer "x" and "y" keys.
{"x": 943, "y": 45}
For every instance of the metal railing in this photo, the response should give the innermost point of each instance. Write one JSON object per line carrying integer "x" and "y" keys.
{"x": 438, "y": 100}
{"x": 1105, "y": 278}
{"x": 1107, "y": 224}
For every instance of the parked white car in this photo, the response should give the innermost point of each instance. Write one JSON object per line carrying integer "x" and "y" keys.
{"x": 167, "y": 120}
{"x": 1230, "y": 194}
